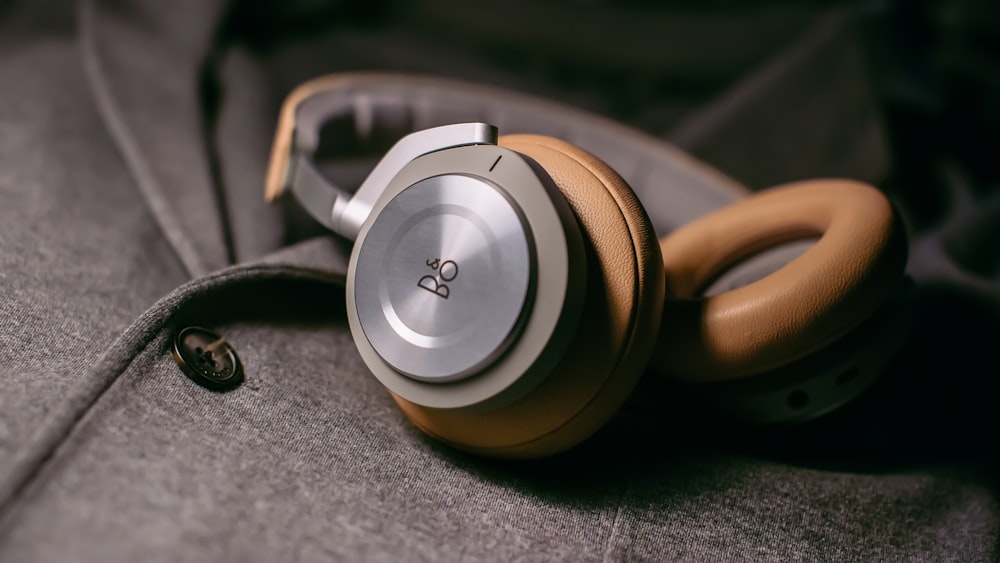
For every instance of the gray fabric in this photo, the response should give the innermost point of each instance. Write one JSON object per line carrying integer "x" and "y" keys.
{"x": 145, "y": 90}
{"x": 82, "y": 255}
{"x": 120, "y": 192}
{"x": 257, "y": 227}
{"x": 795, "y": 105}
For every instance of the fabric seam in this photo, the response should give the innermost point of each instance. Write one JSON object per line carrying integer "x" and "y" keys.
{"x": 42, "y": 447}
{"x": 108, "y": 109}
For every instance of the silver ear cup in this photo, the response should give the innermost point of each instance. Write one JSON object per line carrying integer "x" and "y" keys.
{"x": 449, "y": 268}
{"x": 466, "y": 284}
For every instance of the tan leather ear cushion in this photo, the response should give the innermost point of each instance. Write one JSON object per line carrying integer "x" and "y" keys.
{"x": 803, "y": 306}
{"x": 617, "y": 330}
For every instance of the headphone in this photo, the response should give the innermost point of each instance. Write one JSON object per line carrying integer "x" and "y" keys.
{"x": 509, "y": 291}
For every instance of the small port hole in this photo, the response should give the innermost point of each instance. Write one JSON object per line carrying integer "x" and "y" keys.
{"x": 798, "y": 399}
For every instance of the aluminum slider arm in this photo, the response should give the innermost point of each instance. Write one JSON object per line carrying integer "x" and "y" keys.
{"x": 345, "y": 213}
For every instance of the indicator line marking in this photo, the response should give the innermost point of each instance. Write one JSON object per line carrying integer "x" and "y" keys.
{"x": 495, "y": 162}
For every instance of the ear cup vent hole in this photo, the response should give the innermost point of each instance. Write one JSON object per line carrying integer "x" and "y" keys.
{"x": 798, "y": 399}
{"x": 848, "y": 375}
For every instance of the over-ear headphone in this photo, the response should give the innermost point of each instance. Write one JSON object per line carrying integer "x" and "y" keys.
{"x": 510, "y": 291}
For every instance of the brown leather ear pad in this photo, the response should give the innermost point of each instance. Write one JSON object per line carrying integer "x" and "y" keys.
{"x": 618, "y": 327}
{"x": 810, "y": 302}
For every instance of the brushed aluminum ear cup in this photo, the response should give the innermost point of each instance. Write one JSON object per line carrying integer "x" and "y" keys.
{"x": 463, "y": 288}
{"x": 617, "y": 328}
{"x": 450, "y": 267}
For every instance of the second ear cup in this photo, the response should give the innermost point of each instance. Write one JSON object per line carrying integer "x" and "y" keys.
{"x": 804, "y": 306}
{"x": 618, "y": 326}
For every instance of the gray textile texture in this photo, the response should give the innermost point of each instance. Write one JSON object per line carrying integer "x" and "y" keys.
{"x": 133, "y": 144}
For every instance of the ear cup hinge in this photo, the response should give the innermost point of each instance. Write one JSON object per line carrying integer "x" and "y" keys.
{"x": 345, "y": 213}
{"x": 314, "y": 192}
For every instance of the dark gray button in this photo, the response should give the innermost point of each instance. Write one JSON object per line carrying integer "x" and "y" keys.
{"x": 207, "y": 359}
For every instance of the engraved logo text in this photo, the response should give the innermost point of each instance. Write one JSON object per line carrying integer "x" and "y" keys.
{"x": 438, "y": 283}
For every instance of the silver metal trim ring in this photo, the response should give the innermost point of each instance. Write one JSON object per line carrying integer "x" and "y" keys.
{"x": 549, "y": 319}
{"x": 446, "y": 270}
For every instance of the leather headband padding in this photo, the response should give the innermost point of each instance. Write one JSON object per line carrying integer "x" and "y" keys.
{"x": 810, "y": 302}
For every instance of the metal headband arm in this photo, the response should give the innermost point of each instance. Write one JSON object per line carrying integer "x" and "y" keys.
{"x": 344, "y": 213}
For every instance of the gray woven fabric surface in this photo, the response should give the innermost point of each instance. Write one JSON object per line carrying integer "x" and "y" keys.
{"x": 133, "y": 142}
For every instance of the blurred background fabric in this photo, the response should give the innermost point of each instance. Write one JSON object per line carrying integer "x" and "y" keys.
{"x": 903, "y": 94}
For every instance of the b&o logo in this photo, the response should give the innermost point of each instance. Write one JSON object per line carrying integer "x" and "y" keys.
{"x": 438, "y": 283}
